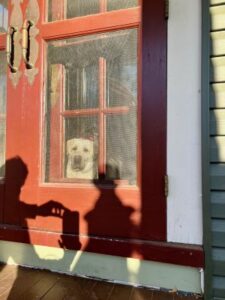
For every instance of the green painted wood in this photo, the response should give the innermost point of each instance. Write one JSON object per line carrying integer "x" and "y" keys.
{"x": 218, "y": 43}
{"x": 217, "y": 155}
{"x": 207, "y": 233}
{"x": 218, "y": 262}
{"x": 217, "y": 121}
{"x": 218, "y": 211}
{"x": 219, "y": 268}
{"x": 217, "y": 197}
{"x": 219, "y": 286}
{"x": 218, "y": 183}
{"x": 214, "y": 88}
{"x": 218, "y": 68}
{"x": 217, "y": 17}
{"x": 215, "y": 2}
{"x": 218, "y": 239}
{"x": 217, "y": 95}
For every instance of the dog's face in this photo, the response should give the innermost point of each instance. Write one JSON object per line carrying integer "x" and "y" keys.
{"x": 81, "y": 158}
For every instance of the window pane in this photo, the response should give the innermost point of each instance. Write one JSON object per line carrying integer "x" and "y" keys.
{"x": 121, "y": 145}
{"x": 122, "y": 72}
{"x": 119, "y": 4}
{"x": 2, "y": 111}
{"x": 75, "y": 150}
{"x": 91, "y": 95}
{"x": 82, "y": 87}
{"x": 58, "y": 10}
{"x": 3, "y": 15}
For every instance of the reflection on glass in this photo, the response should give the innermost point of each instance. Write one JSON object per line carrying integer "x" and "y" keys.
{"x": 3, "y": 15}
{"x": 2, "y": 111}
{"x": 58, "y": 10}
{"x": 82, "y": 86}
{"x": 91, "y": 107}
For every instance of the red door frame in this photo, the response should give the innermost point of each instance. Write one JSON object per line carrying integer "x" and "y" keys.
{"x": 152, "y": 230}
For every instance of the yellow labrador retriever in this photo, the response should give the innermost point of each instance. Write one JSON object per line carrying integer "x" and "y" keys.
{"x": 81, "y": 159}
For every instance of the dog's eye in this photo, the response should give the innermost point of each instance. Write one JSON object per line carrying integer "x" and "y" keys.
{"x": 74, "y": 148}
{"x": 86, "y": 150}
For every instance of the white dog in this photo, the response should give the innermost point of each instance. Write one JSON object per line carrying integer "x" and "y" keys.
{"x": 81, "y": 159}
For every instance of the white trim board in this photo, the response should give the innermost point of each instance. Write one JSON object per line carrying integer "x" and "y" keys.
{"x": 117, "y": 269}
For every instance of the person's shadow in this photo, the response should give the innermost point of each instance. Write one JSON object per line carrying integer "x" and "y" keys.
{"x": 109, "y": 219}
{"x": 18, "y": 211}
{"x": 109, "y": 213}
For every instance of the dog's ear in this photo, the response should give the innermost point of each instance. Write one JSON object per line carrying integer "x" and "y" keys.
{"x": 69, "y": 144}
{"x": 95, "y": 145}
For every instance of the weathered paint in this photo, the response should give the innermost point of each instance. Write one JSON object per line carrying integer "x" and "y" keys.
{"x": 184, "y": 202}
{"x": 131, "y": 271}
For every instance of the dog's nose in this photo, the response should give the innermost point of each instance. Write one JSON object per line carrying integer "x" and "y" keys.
{"x": 77, "y": 159}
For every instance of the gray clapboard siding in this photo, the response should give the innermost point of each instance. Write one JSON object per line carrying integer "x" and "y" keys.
{"x": 216, "y": 108}
{"x": 217, "y": 95}
{"x": 219, "y": 268}
{"x": 217, "y": 149}
{"x": 218, "y": 210}
{"x": 218, "y": 43}
{"x": 217, "y": 122}
{"x": 219, "y": 286}
{"x": 217, "y": 197}
{"x": 217, "y": 17}
{"x": 213, "y": 2}
{"x": 218, "y": 69}
{"x": 217, "y": 177}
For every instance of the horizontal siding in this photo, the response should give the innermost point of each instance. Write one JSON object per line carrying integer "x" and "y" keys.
{"x": 217, "y": 149}
{"x": 217, "y": 95}
{"x": 217, "y": 197}
{"x": 218, "y": 211}
{"x": 217, "y": 122}
{"x": 218, "y": 43}
{"x": 217, "y": 145}
{"x": 217, "y": 17}
{"x": 217, "y": 177}
{"x": 213, "y": 2}
{"x": 218, "y": 69}
{"x": 219, "y": 286}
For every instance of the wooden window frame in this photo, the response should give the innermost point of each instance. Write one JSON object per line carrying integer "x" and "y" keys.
{"x": 58, "y": 115}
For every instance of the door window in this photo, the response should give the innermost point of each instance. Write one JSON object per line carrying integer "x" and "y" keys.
{"x": 91, "y": 107}
{"x": 58, "y": 10}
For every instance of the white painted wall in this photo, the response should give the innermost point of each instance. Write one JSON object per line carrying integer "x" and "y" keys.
{"x": 184, "y": 122}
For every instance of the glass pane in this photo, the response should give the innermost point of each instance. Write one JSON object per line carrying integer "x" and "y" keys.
{"x": 58, "y": 10}
{"x": 121, "y": 145}
{"x": 78, "y": 73}
{"x": 81, "y": 136}
{"x": 75, "y": 149}
{"x": 3, "y": 15}
{"x": 119, "y": 4}
{"x": 82, "y": 87}
{"x": 2, "y": 111}
{"x": 91, "y": 95}
{"x": 122, "y": 72}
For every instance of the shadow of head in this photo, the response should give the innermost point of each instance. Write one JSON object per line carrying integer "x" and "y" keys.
{"x": 16, "y": 171}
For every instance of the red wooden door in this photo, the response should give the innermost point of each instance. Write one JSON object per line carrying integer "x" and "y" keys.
{"x": 86, "y": 124}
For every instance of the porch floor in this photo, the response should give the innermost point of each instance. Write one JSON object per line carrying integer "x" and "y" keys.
{"x": 24, "y": 283}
